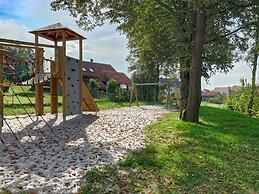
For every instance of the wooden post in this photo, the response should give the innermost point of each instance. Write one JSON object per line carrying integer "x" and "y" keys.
{"x": 53, "y": 89}
{"x": 63, "y": 74}
{"x": 168, "y": 102}
{"x": 39, "y": 103}
{"x": 131, "y": 95}
{"x": 134, "y": 91}
{"x": 1, "y": 93}
{"x": 136, "y": 94}
{"x": 81, "y": 71}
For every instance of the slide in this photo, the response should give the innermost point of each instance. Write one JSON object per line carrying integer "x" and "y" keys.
{"x": 88, "y": 102}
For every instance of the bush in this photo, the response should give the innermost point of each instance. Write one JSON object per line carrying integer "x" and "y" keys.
{"x": 93, "y": 87}
{"x": 112, "y": 90}
{"x": 218, "y": 99}
{"x": 239, "y": 101}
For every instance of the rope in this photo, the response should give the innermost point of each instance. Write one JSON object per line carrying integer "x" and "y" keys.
{"x": 36, "y": 109}
{"x": 17, "y": 118}
{"x": 46, "y": 123}
{"x": 2, "y": 141}
{"x": 9, "y": 127}
{"x": 33, "y": 106}
{"x": 25, "y": 108}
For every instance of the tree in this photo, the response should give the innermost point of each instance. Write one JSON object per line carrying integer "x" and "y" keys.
{"x": 112, "y": 89}
{"x": 164, "y": 32}
{"x": 251, "y": 17}
{"x": 21, "y": 54}
{"x": 93, "y": 87}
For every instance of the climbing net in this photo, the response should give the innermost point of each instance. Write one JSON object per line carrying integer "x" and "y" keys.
{"x": 14, "y": 75}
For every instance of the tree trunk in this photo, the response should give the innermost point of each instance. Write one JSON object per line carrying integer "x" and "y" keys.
{"x": 194, "y": 99}
{"x": 157, "y": 80}
{"x": 253, "y": 88}
{"x": 184, "y": 87}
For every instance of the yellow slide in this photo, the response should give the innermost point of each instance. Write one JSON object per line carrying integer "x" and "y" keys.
{"x": 88, "y": 102}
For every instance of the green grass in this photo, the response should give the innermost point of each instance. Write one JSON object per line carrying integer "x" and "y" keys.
{"x": 104, "y": 103}
{"x": 14, "y": 106}
{"x": 218, "y": 155}
{"x": 204, "y": 103}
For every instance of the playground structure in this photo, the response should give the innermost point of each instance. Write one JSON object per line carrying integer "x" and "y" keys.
{"x": 134, "y": 92}
{"x": 68, "y": 73}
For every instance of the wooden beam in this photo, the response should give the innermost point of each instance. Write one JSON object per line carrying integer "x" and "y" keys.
{"x": 24, "y": 43}
{"x": 136, "y": 95}
{"x": 149, "y": 84}
{"x": 16, "y": 45}
{"x": 4, "y": 52}
{"x": 53, "y": 89}
{"x": 39, "y": 103}
{"x": 63, "y": 74}
{"x": 56, "y": 37}
{"x": 81, "y": 71}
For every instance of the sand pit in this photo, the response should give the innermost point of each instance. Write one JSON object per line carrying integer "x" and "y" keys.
{"x": 56, "y": 161}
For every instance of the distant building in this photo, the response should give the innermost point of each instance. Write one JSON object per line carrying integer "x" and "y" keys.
{"x": 103, "y": 73}
{"x": 207, "y": 94}
{"x": 224, "y": 90}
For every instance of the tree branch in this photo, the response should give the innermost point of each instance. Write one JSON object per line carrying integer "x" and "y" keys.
{"x": 225, "y": 35}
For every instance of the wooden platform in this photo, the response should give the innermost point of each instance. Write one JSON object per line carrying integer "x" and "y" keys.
{"x": 38, "y": 79}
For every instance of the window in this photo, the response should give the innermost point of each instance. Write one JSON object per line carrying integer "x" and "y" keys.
{"x": 91, "y": 70}
{"x": 84, "y": 69}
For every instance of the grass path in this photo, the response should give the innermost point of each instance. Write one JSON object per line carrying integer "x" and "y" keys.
{"x": 218, "y": 155}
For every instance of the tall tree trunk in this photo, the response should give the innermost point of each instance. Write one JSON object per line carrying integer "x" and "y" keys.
{"x": 184, "y": 86}
{"x": 253, "y": 88}
{"x": 194, "y": 99}
{"x": 157, "y": 80}
{"x": 185, "y": 63}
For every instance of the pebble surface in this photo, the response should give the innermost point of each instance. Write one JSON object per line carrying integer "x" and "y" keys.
{"x": 56, "y": 161}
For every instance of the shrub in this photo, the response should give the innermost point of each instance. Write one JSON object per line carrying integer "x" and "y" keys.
{"x": 93, "y": 87}
{"x": 218, "y": 99}
{"x": 239, "y": 101}
{"x": 112, "y": 89}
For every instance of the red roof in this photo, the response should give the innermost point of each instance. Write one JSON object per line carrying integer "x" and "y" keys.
{"x": 95, "y": 70}
{"x": 103, "y": 72}
{"x": 121, "y": 78}
{"x": 208, "y": 93}
{"x": 223, "y": 90}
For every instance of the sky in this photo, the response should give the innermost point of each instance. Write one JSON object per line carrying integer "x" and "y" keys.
{"x": 103, "y": 45}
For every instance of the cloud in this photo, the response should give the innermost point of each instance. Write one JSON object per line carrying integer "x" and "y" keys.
{"x": 9, "y": 29}
{"x": 104, "y": 44}
{"x": 241, "y": 70}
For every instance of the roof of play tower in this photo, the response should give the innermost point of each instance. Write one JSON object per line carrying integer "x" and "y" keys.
{"x": 54, "y": 33}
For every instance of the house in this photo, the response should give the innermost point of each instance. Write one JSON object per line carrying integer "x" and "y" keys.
{"x": 207, "y": 94}
{"x": 103, "y": 73}
{"x": 224, "y": 90}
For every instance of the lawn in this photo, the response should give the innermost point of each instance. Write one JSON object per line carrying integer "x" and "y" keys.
{"x": 218, "y": 155}
{"x": 13, "y": 106}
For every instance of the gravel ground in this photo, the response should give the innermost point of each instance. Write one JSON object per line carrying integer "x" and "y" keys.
{"x": 55, "y": 161}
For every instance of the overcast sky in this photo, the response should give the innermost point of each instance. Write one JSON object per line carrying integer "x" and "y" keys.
{"x": 104, "y": 44}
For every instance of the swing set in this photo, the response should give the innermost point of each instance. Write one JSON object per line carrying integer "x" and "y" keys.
{"x": 63, "y": 70}
{"x": 134, "y": 92}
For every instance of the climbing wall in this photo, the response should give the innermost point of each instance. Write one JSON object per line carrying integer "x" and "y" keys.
{"x": 73, "y": 97}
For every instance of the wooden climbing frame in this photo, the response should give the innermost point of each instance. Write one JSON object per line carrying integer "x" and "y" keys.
{"x": 59, "y": 70}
